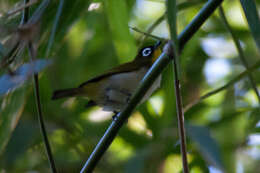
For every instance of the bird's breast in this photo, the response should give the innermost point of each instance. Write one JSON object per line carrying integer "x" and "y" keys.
{"x": 116, "y": 90}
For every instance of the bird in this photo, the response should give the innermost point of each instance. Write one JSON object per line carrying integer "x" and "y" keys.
{"x": 113, "y": 89}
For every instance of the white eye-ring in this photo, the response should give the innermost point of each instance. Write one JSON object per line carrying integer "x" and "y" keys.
{"x": 147, "y": 51}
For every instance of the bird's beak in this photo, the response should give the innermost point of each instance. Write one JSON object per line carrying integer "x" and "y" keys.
{"x": 157, "y": 51}
{"x": 158, "y": 43}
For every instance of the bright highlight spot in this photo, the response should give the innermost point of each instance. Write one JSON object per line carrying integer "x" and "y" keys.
{"x": 121, "y": 149}
{"x": 216, "y": 69}
{"x": 254, "y": 139}
{"x": 157, "y": 104}
{"x": 214, "y": 170}
{"x": 94, "y": 6}
{"x": 99, "y": 115}
{"x": 173, "y": 163}
{"x": 218, "y": 47}
{"x": 251, "y": 98}
{"x": 137, "y": 123}
{"x": 149, "y": 9}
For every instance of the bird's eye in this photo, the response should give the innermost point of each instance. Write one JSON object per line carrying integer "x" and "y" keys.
{"x": 147, "y": 51}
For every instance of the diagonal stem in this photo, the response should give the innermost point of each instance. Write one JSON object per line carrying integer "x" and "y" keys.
{"x": 230, "y": 83}
{"x": 240, "y": 51}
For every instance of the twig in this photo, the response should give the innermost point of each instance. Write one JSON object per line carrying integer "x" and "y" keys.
{"x": 230, "y": 83}
{"x": 180, "y": 114}
{"x": 147, "y": 34}
{"x": 26, "y": 5}
{"x": 181, "y": 6}
{"x": 54, "y": 28}
{"x": 10, "y": 56}
{"x": 32, "y": 53}
{"x": 157, "y": 67}
{"x": 171, "y": 11}
{"x": 151, "y": 28}
{"x": 240, "y": 51}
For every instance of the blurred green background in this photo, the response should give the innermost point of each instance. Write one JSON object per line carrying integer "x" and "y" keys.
{"x": 93, "y": 36}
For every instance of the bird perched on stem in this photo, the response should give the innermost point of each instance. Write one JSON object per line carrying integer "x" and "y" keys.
{"x": 113, "y": 89}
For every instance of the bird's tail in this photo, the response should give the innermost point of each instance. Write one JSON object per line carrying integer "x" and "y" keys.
{"x": 71, "y": 92}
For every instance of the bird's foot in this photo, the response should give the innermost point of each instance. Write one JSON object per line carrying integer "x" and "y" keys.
{"x": 115, "y": 116}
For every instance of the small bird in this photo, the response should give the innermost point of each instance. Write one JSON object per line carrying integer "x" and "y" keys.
{"x": 112, "y": 90}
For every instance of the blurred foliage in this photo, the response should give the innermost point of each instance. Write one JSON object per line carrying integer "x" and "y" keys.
{"x": 92, "y": 37}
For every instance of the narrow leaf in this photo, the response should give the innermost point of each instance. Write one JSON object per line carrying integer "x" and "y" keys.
{"x": 206, "y": 144}
{"x": 118, "y": 18}
{"x": 252, "y": 17}
{"x": 11, "y": 110}
{"x": 54, "y": 28}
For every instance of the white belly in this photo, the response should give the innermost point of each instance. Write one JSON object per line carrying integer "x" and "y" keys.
{"x": 120, "y": 87}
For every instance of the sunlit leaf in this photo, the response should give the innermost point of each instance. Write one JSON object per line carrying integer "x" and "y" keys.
{"x": 118, "y": 19}
{"x": 9, "y": 82}
{"x": 206, "y": 144}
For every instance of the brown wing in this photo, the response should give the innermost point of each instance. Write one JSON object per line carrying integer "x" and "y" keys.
{"x": 123, "y": 68}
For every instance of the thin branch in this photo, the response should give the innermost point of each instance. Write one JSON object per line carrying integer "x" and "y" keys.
{"x": 54, "y": 28}
{"x": 151, "y": 28}
{"x": 171, "y": 11}
{"x": 240, "y": 51}
{"x": 10, "y": 56}
{"x": 147, "y": 34}
{"x": 230, "y": 83}
{"x": 180, "y": 114}
{"x": 181, "y": 6}
{"x": 33, "y": 54}
{"x": 152, "y": 74}
{"x": 26, "y": 5}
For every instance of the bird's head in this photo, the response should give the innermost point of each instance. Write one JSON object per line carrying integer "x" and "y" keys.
{"x": 149, "y": 53}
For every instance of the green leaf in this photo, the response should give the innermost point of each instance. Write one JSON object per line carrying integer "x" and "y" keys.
{"x": 253, "y": 119}
{"x": 206, "y": 144}
{"x": 118, "y": 18}
{"x": 252, "y": 17}
{"x": 11, "y": 110}
{"x": 137, "y": 163}
{"x": 24, "y": 135}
